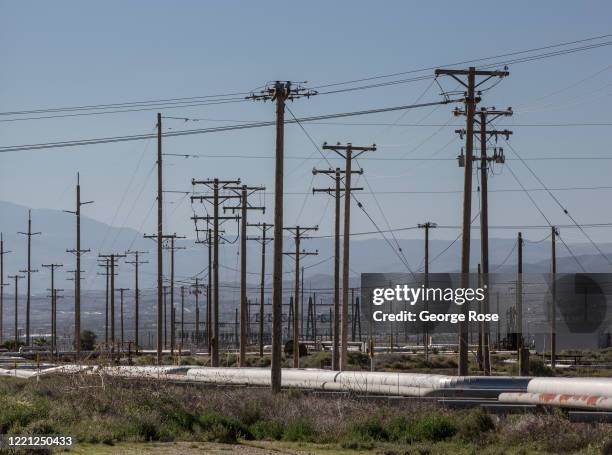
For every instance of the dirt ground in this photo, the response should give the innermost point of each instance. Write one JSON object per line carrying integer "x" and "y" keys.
{"x": 184, "y": 448}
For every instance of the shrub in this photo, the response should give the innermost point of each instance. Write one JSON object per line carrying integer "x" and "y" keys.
{"x": 299, "y": 430}
{"x": 218, "y": 428}
{"x": 370, "y": 430}
{"x": 267, "y": 429}
{"x": 475, "y": 423}
{"x": 434, "y": 428}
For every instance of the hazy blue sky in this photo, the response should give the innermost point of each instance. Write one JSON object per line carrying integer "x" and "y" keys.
{"x": 68, "y": 53}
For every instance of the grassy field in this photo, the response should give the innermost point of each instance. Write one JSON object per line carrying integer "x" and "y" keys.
{"x": 111, "y": 415}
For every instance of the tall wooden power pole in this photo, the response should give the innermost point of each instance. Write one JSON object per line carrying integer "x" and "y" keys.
{"x": 208, "y": 242}
{"x": 16, "y": 278}
{"x": 172, "y": 247}
{"x": 335, "y": 192}
{"x": 182, "y": 316}
{"x": 244, "y": 192}
{"x": 136, "y": 262}
{"x": 121, "y": 315}
{"x": 553, "y": 307}
{"x": 113, "y": 260}
{"x": 160, "y": 233}
{"x": 279, "y": 92}
{"x": 348, "y": 152}
{"x": 52, "y": 268}
{"x": 77, "y": 277}
{"x": 485, "y": 118}
{"x": 263, "y": 240}
{"x": 217, "y": 199}
{"x": 28, "y": 273}
{"x": 523, "y": 367}
{"x": 54, "y": 298}
{"x": 470, "y": 101}
{"x": 105, "y": 262}
{"x": 196, "y": 291}
{"x": 427, "y": 226}
{"x": 2, "y": 284}
{"x": 298, "y": 235}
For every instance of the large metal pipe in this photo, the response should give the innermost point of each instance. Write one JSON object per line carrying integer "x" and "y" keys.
{"x": 563, "y": 400}
{"x": 572, "y": 386}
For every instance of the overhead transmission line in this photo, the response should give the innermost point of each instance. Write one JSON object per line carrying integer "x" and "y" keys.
{"x": 543, "y": 215}
{"x": 466, "y": 62}
{"x": 138, "y": 137}
{"x": 561, "y": 206}
{"x": 193, "y": 101}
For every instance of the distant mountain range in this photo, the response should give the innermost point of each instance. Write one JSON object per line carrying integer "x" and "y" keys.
{"x": 367, "y": 255}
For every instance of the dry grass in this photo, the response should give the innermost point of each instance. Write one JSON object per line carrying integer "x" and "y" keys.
{"x": 110, "y": 410}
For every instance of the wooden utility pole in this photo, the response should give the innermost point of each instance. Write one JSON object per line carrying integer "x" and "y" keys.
{"x": 159, "y": 238}
{"x": 182, "y": 316}
{"x": 470, "y": 100}
{"x": 196, "y": 291}
{"x": 121, "y": 291}
{"x": 165, "y": 311}
{"x": 207, "y": 287}
{"x": 136, "y": 262}
{"x": 16, "y": 278}
{"x": 523, "y": 366}
{"x": 244, "y": 192}
{"x": 279, "y": 92}
{"x": 298, "y": 234}
{"x": 264, "y": 240}
{"x": 106, "y": 274}
{"x": 217, "y": 199}
{"x": 172, "y": 328}
{"x": 52, "y": 268}
{"x": 335, "y": 192}
{"x": 54, "y": 298}
{"x": 28, "y": 273}
{"x": 208, "y": 296}
{"x": 348, "y": 152}
{"x": 160, "y": 233}
{"x": 172, "y": 247}
{"x": 113, "y": 260}
{"x": 485, "y": 118}
{"x": 2, "y": 284}
{"x": 427, "y": 226}
{"x": 553, "y": 307}
{"x": 77, "y": 277}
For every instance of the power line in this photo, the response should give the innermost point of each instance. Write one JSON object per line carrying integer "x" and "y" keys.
{"x": 138, "y": 137}
{"x": 558, "y": 202}
{"x": 171, "y": 103}
{"x": 465, "y": 62}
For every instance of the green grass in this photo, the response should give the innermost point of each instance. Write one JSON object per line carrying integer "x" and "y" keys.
{"x": 116, "y": 411}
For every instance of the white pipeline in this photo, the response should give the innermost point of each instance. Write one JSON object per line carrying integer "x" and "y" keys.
{"x": 592, "y": 402}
